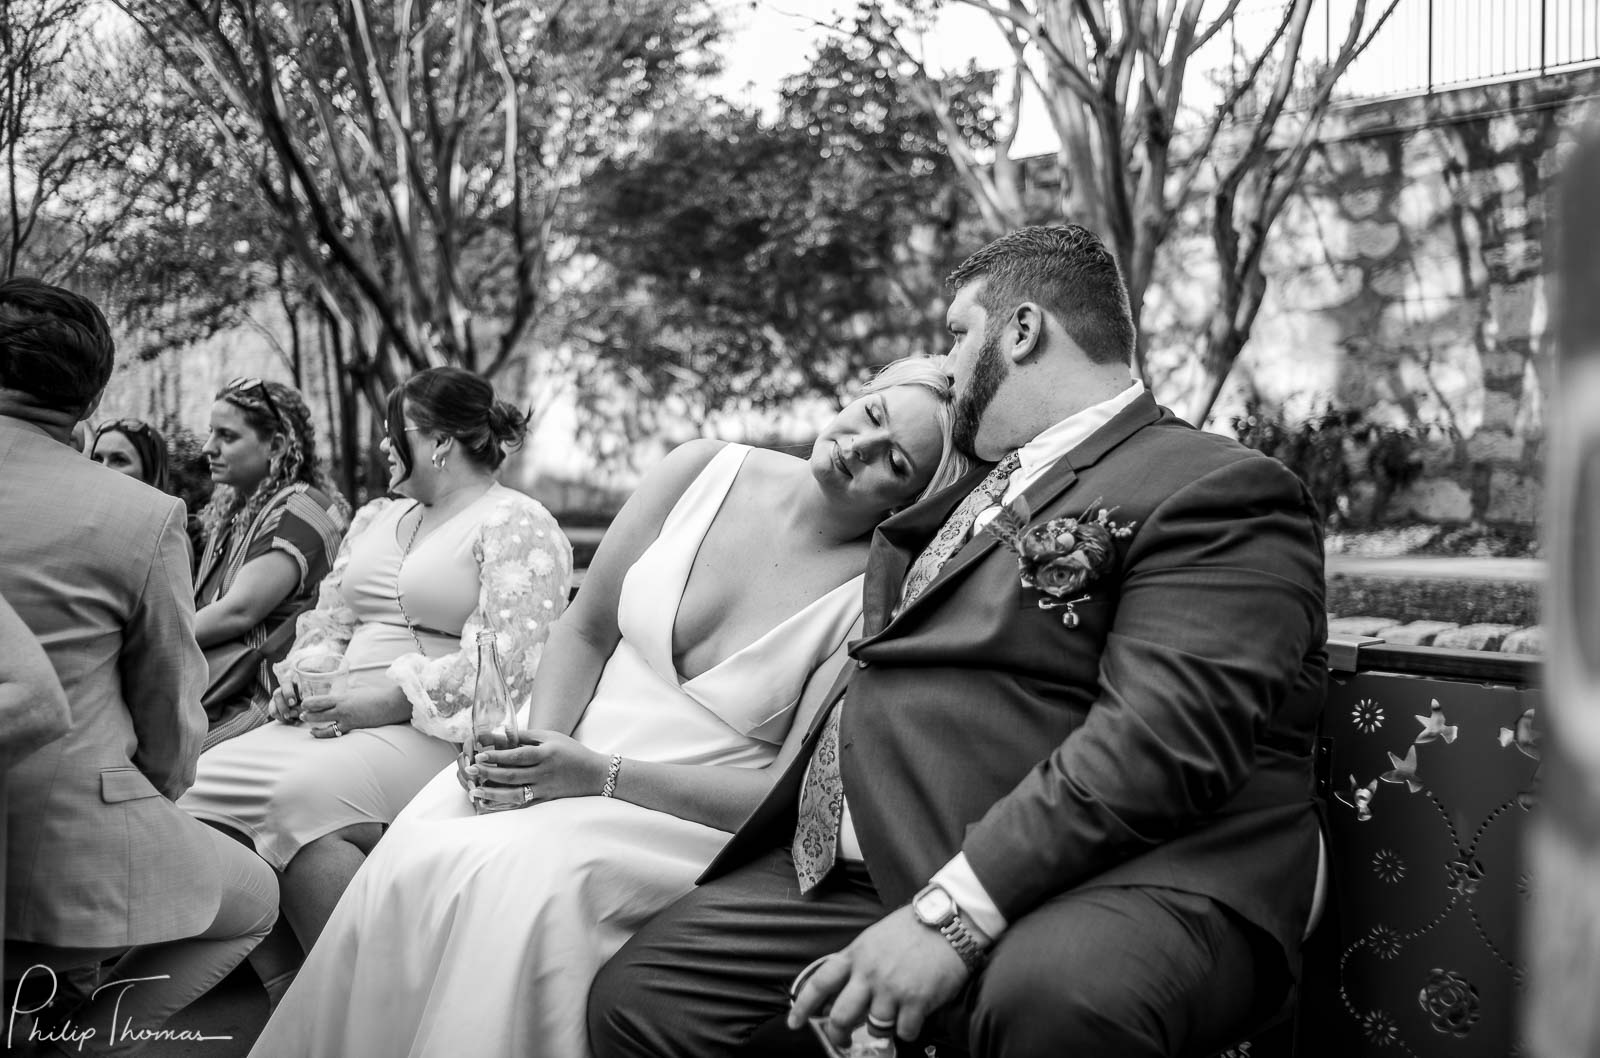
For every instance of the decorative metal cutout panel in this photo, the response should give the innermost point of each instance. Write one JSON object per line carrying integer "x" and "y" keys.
{"x": 1432, "y": 784}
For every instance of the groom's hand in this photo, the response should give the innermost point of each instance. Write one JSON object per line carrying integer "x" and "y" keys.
{"x": 897, "y": 970}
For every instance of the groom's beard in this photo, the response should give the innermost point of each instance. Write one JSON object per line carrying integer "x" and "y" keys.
{"x": 987, "y": 375}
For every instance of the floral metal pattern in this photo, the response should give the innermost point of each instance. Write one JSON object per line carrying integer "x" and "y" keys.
{"x": 1384, "y": 942}
{"x": 1379, "y": 1027}
{"x": 1450, "y": 1002}
{"x": 1465, "y": 874}
{"x": 1388, "y": 865}
{"x": 1367, "y": 715}
{"x": 1451, "y": 946}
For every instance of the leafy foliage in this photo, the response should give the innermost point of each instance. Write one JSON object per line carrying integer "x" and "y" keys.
{"x": 190, "y": 471}
{"x": 418, "y": 158}
{"x": 748, "y": 262}
{"x": 114, "y": 184}
{"x": 1323, "y": 449}
{"x": 1475, "y": 600}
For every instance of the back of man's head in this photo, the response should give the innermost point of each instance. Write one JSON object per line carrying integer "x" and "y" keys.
{"x": 55, "y": 346}
{"x": 1068, "y": 271}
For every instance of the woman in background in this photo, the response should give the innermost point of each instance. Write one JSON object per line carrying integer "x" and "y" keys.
{"x": 272, "y": 529}
{"x": 137, "y": 449}
{"x": 132, "y": 447}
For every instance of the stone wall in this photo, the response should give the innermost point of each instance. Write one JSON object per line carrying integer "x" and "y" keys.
{"x": 1406, "y": 279}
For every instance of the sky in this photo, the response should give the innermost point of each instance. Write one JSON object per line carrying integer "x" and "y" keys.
{"x": 769, "y": 40}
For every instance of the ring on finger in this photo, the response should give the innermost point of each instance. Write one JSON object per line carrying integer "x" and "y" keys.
{"x": 527, "y": 794}
{"x": 805, "y": 975}
{"x": 880, "y": 1026}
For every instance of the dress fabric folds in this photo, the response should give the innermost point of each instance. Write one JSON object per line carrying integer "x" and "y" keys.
{"x": 483, "y": 933}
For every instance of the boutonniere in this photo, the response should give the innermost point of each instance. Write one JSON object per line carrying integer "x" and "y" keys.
{"x": 1061, "y": 557}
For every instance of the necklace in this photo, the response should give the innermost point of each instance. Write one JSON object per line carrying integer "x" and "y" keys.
{"x": 400, "y": 602}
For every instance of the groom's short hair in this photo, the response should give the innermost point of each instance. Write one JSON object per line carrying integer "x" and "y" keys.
{"x": 55, "y": 345}
{"x": 1068, "y": 271}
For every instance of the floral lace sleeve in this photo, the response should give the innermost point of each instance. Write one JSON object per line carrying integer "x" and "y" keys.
{"x": 524, "y": 572}
{"x": 326, "y": 628}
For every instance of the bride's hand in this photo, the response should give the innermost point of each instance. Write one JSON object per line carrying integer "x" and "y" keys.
{"x": 549, "y": 765}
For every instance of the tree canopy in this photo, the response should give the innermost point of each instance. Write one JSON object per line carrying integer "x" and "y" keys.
{"x": 750, "y": 260}
{"x": 419, "y": 157}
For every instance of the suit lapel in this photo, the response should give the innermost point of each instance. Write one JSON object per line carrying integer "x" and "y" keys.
{"x": 899, "y": 540}
{"x": 1049, "y": 487}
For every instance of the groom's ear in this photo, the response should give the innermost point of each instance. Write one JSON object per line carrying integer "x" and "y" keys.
{"x": 1027, "y": 331}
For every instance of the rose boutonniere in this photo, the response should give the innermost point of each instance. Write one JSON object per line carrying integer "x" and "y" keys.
{"x": 1061, "y": 557}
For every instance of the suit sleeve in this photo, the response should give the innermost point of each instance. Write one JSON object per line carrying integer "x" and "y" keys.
{"x": 1221, "y": 595}
{"x": 33, "y": 708}
{"x": 163, "y": 669}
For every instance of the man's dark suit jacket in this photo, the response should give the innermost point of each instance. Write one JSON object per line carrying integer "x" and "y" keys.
{"x": 1165, "y": 740}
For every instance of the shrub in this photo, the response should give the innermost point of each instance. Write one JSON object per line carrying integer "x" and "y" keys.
{"x": 1322, "y": 449}
{"x": 189, "y": 470}
{"x": 1460, "y": 600}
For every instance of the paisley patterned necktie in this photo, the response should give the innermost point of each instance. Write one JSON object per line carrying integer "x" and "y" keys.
{"x": 816, "y": 832}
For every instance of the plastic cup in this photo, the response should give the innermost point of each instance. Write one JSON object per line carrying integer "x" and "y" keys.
{"x": 321, "y": 675}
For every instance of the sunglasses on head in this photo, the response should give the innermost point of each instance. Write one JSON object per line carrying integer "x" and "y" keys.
{"x": 244, "y": 386}
{"x": 125, "y": 426}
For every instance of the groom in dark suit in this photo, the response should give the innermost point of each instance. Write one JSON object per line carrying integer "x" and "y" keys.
{"x": 1063, "y": 799}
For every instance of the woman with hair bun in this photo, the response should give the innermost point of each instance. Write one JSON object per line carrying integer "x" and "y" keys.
{"x": 271, "y": 530}
{"x": 415, "y": 581}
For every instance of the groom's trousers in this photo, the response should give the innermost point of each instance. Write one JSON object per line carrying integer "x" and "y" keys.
{"x": 1124, "y": 971}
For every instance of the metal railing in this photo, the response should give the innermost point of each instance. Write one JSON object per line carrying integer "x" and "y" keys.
{"x": 1429, "y": 45}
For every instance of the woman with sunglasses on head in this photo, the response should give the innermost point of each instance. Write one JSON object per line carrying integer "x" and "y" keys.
{"x": 272, "y": 529}
{"x": 712, "y": 622}
{"x": 132, "y": 447}
{"x": 137, "y": 449}
{"x": 415, "y": 582}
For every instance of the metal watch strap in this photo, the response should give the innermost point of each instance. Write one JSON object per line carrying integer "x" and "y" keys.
{"x": 961, "y": 939}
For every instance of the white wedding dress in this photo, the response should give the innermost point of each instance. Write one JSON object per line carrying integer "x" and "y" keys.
{"x": 467, "y": 934}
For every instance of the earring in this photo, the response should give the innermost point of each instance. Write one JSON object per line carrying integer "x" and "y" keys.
{"x": 437, "y": 460}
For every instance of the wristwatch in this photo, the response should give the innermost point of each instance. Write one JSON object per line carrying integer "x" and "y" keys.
{"x": 936, "y": 909}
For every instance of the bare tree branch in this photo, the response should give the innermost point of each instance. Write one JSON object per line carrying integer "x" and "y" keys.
{"x": 1115, "y": 80}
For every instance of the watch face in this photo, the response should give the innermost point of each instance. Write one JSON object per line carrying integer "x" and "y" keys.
{"x": 933, "y": 906}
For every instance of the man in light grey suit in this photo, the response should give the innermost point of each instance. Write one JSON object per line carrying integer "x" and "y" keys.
{"x": 100, "y": 862}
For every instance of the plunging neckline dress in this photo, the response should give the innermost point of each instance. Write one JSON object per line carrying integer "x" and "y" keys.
{"x": 483, "y": 933}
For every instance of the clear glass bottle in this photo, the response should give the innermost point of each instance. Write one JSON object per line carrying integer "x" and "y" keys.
{"x": 494, "y": 714}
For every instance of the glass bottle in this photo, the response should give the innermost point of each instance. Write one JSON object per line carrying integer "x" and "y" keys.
{"x": 494, "y": 715}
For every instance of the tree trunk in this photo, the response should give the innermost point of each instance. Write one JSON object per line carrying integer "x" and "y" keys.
{"x": 330, "y": 387}
{"x": 291, "y": 314}
{"x": 1224, "y": 342}
{"x": 343, "y": 393}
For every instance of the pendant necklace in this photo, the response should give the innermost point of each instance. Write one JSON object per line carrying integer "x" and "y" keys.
{"x": 410, "y": 625}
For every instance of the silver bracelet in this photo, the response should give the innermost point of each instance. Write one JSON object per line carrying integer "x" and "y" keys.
{"x": 610, "y": 788}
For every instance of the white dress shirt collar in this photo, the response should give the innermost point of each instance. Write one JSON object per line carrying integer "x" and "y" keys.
{"x": 1039, "y": 454}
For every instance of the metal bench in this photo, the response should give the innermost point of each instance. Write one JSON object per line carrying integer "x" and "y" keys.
{"x": 1416, "y": 949}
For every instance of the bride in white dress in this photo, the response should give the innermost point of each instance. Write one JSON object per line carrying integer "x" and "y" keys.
{"x": 711, "y": 624}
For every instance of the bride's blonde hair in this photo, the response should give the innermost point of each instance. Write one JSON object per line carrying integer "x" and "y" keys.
{"x": 924, "y": 372}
